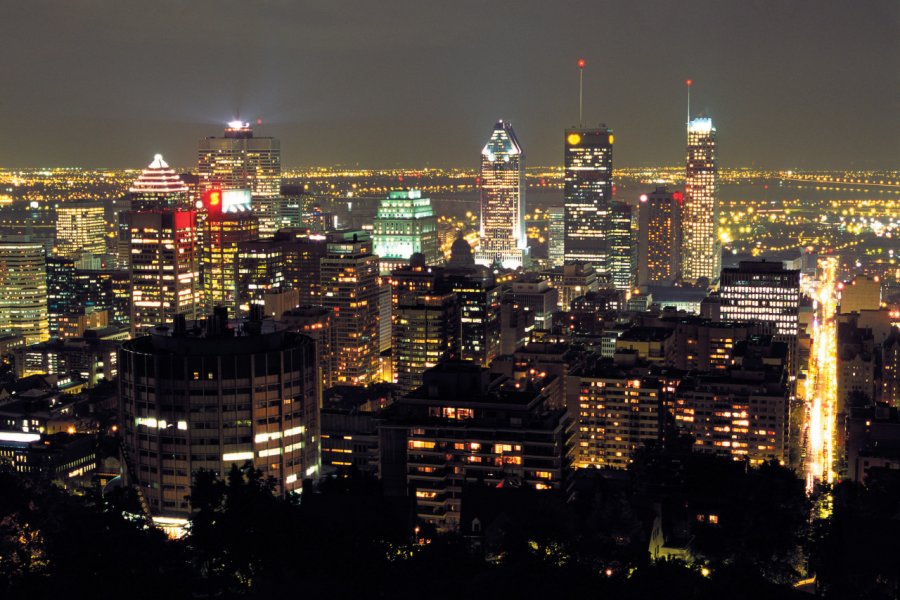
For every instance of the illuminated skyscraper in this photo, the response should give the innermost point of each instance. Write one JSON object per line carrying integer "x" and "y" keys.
{"x": 241, "y": 161}
{"x": 80, "y": 228}
{"x": 701, "y": 256}
{"x": 502, "y": 199}
{"x": 620, "y": 260}
{"x": 659, "y": 238}
{"x": 165, "y": 275}
{"x": 158, "y": 187}
{"x": 61, "y": 291}
{"x": 405, "y": 224}
{"x": 23, "y": 289}
{"x": 426, "y": 331}
{"x": 762, "y": 292}
{"x": 228, "y": 223}
{"x": 556, "y": 236}
{"x": 260, "y": 271}
{"x": 350, "y": 288}
{"x": 588, "y": 194}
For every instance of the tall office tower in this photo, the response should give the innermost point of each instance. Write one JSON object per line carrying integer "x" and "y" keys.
{"x": 80, "y": 228}
{"x": 158, "y": 186}
{"x": 404, "y": 225}
{"x": 588, "y": 194}
{"x": 538, "y": 297}
{"x": 556, "y": 235}
{"x": 227, "y": 224}
{"x": 620, "y": 261}
{"x": 226, "y": 393}
{"x": 241, "y": 161}
{"x": 61, "y": 295}
{"x": 479, "y": 298}
{"x": 763, "y": 292}
{"x": 659, "y": 238}
{"x": 503, "y": 200}
{"x": 350, "y": 288}
{"x": 701, "y": 254}
{"x": 302, "y": 255}
{"x": 426, "y": 331}
{"x": 23, "y": 289}
{"x": 165, "y": 272}
{"x": 260, "y": 271}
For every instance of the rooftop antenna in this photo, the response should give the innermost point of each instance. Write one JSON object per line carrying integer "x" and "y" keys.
{"x": 581, "y": 64}
{"x": 689, "y": 83}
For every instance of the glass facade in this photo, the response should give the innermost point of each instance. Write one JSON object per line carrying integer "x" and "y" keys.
{"x": 502, "y": 199}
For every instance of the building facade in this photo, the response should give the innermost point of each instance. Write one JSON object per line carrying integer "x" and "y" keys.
{"x": 588, "y": 163}
{"x": 23, "y": 289}
{"x": 80, "y": 228}
{"x": 659, "y": 238}
{"x": 405, "y": 225}
{"x": 165, "y": 270}
{"x": 502, "y": 200}
{"x": 228, "y": 394}
{"x": 701, "y": 255}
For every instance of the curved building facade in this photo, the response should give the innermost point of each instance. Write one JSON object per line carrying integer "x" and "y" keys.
{"x": 219, "y": 394}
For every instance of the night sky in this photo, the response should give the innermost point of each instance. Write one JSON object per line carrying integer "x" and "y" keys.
{"x": 806, "y": 84}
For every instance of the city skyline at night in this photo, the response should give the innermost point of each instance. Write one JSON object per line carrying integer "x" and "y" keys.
{"x": 343, "y": 339}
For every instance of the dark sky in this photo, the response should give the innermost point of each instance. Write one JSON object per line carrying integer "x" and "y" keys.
{"x": 789, "y": 83}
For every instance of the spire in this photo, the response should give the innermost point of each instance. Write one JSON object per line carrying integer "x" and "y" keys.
{"x": 158, "y": 178}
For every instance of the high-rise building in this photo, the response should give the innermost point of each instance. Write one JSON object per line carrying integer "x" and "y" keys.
{"x": 23, "y": 289}
{"x": 222, "y": 394}
{"x": 158, "y": 186}
{"x": 556, "y": 236}
{"x": 405, "y": 225}
{"x": 302, "y": 255}
{"x": 503, "y": 200}
{"x": 165, "y": 272}
{"x": 260, "y": 271}
{"x": 588, "y": 194}
{"x": 763, "y": 292}
{"x": 61, "y": 292}
{"x": 80, "y": 228}
{"x": 701, "y": 255}
{"x": 225, "y": 228}
{"x": 350, "y": 289}
{"x": 425, "y": 332}
{"x": 620, "y": 260}
{"x": 239, "y": 160}
{"x": 316, "y": 322}
{"x": 659, "y": 238}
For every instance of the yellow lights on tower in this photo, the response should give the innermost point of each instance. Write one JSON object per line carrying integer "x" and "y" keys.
{"x": 574, "y": 139}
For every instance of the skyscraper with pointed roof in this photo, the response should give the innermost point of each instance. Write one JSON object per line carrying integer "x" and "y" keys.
{"x": 158, "y": 186}
{"x": 503, "y": 199}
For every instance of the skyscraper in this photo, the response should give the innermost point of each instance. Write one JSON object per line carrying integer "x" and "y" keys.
{"x": 426, "y": 331}
{"x": 241, "y": 161}
{"x": 503, "y": 199}
{"x": 80, "y": 228}
{"x": 659, "y": 238}
{"x": 620, "y": 259}
{"x": 350, "y": 289}
{"x": 61, "y": 292}
{"x": 158, "y": 186}
{"x": 23, "y": 289}
{"x": 227, "y": 225}
{"x": 405, "y": 224}
{"x": 588, "y": 194}
{"x": 701, "y": 255}
{"x": 556, "y": 236}
{"x": 165, "y": 274}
